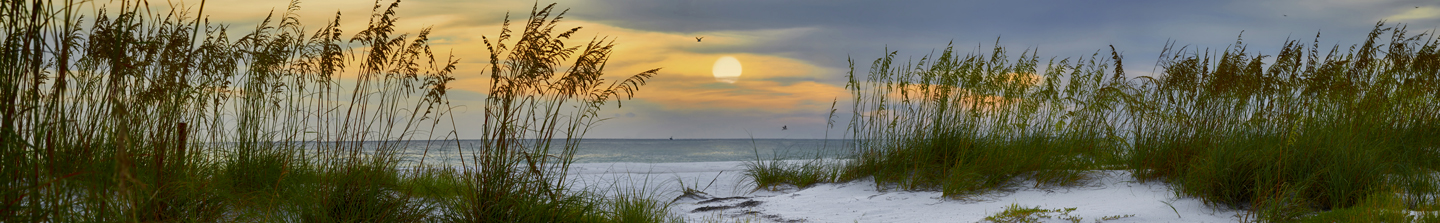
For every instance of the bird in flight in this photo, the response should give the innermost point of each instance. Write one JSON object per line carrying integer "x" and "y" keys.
{"x": 783, "y": 128}
{"x": 697, "y": 38}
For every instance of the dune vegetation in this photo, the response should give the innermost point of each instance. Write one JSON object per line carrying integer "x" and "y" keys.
{"x": 151, "y": 114}
{"x": 1317, "y": 134}
{"x": 139, "y": 113}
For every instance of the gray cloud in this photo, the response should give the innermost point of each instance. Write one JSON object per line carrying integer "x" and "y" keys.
{"x": 829, "y": 31}
{"x": 861, "y": 29}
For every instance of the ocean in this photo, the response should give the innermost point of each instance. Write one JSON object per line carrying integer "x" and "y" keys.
{"x": 654, "y": 150}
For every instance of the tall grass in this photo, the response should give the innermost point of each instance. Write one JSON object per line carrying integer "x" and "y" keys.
{"x": 967, "y": 124}
{"x": 141, "y": 115}
{"x": 1312, "y": 131}
{"x": 1309, "y": 132}
{"x": 536, "y": 101}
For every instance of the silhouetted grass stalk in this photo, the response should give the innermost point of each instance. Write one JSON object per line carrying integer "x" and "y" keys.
{"x": 518, "y": 174}
{"x": 133, "y": 115}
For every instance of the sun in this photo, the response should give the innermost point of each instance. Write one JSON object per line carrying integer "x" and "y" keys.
{"x": 727, "y": 69}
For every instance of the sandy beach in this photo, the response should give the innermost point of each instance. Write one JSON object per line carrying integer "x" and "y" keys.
{"x": 730, "y": 197}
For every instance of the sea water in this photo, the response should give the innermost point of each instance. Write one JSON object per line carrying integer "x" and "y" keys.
{"x": 646, "y": 150}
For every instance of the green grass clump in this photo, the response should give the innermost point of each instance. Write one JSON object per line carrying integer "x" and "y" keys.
{"x": 1310, "y": 132}
{"x": 1018, "y": 214}
{"x": 970, "y": 124}
{"x": 1380, "y": 207}
{"x": 134, "y": 115}
{"x": 437, "y": 183}
{"x": 1021, "y": 214}
{"x": 774, "y": 173}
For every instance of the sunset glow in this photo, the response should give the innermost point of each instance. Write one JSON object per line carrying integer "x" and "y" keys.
{"x": 795, "y": 59}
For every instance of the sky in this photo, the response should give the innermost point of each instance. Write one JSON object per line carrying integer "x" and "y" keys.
{"x": 794, "y": 52}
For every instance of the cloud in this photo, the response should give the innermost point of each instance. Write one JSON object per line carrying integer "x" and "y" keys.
{"x": 794, "y": 52}
{"x": 1416, "y": 14}
{"x": 701, "y": 93}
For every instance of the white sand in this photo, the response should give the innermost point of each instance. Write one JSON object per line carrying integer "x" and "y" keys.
{"x": 729, "y": 198}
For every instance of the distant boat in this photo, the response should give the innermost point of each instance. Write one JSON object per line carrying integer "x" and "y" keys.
{"x": 672, "y": 138}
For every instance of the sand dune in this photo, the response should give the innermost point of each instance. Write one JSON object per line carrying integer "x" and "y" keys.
{"x": 730, "y": 197}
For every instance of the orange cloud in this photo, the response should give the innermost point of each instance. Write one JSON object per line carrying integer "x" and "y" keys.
{"x": 684, "y": 73}
{"x": 699, "y": 93}
{"x": 770, "y": 83}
